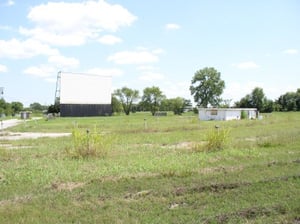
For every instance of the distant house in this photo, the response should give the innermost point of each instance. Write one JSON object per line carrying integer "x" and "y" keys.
{"x": 206, "y": 114}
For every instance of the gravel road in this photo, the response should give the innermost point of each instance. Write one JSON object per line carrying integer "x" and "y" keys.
{"x": 4, "y": 135}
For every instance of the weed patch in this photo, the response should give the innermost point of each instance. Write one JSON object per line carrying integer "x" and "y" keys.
{"x": 216, "y": 139}
{"x": 66, "y": 186}
{"x": 89, "y": 144}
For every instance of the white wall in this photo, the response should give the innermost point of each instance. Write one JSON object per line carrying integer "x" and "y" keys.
{"x": 76, "y": 88}
{"x": 232, "y": 115}
{"x": 206, "y": 114}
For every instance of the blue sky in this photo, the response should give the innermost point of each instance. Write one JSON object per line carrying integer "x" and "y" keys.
{"x": 144, "y": 43}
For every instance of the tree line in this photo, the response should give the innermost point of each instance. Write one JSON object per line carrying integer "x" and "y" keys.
{"x": 127, "y": 100}
{"x": 206, "y": 88}
{"x": 14, "y": 108}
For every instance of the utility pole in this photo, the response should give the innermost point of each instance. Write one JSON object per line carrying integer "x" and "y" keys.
{"x": 1, "y": 91}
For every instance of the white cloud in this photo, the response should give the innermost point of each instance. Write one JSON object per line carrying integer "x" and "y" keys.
{"x": 69, "y": 24}
{"x": 246, "y": 65}
{"x": 10, "y": 3}
{"x": 3, "y": 68}
{"x": 5, "y": 27}
{"x": 145, "y": 68}
{"x": 63, "y": 62}
{"x": 133, "y": 57}
{"x": 291, "y": 51}
{"x": 42, "y": 71}
{"x": 109, "y": 40}
{"x": 158, "y": 51}
{"x": 151, "y": 76}
{"x": 105, "y": 71}
{"x": 49, "y": 71}
{"x": 172, "y": 26}
{"x": 74, "y": 38}
{"x": 173, "y": 89}
{"x": 24, "y": 49}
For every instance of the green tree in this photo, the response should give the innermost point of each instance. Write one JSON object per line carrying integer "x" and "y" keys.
{"x": 268, "y": 106}
{"x": 37, "y": 107}
{"x": 152, "y": 98}
{"x": 126, "y": 96}
{"x": 188, "y": 106}
{"x": 5, "y": 108}
{"x": 256, "y": 99}
{"x": 177, "y": 105}
{"x": 245, "y": 102}
{"x": 2, "y": 107}
{"x": 207, "y": 87}
{"x": 298, "y": 99}
{"x": 289, "y": 101}
{"x": 54, "y": 109}
{"x": 165, "y": 105}
{"x": 225, "y": 103}
{"x": 16, "y": 107}
{"x": 116, "y": 105}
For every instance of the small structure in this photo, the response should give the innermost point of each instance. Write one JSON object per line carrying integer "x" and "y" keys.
{"x": 25, "y": 115}
{"x": 226, "y": 114}
{"x": 160, "y": 113}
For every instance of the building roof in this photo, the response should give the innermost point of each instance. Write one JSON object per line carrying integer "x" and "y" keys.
{"x": 227, "y": 109}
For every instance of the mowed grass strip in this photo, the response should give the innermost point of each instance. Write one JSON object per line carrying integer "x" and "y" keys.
{"x": 152, "y": 174}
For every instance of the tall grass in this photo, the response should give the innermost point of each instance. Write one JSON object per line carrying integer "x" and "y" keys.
{"x": 217, "y": 139}
{"x": 89, "y": 144}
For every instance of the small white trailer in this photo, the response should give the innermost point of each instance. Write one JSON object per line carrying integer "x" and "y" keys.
{"x": 206, "y": 114}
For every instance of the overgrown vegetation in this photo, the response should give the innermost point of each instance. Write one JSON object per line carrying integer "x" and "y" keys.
{"x": 88, "y": 143}
{"x": 153, "y": 174}
{"x": 243, "y": 115}
{"x": 217, "y": 139}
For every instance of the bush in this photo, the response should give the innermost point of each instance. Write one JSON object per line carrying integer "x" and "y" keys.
{"x": 217, "y": 139}
{"x": 89, "y": 144}
{"x": 244, "y": 115}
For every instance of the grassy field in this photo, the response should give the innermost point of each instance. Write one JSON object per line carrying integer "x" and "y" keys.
{"x": 154, "y": 172}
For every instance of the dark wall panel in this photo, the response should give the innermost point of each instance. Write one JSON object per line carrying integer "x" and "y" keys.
{"x": 85, "y": 110}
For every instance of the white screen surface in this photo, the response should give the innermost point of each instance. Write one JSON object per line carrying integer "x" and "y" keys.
{"x": 77, "y": 88}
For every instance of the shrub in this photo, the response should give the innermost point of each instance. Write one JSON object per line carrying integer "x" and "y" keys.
{"x": 89, "y": 144}
{"x": 217, "y": 139}
{"x": 243, "y": 115}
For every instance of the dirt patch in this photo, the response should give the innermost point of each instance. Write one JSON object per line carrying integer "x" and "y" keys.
{"x": 208, "y": 170}
{"x": 119, "y": 178}
{"x": 221, "y": 187}
{"x": 140, "y": 194}
{"x": 10, "y": 146}
{"x": 21, "y": 199}
{"x": 183, "y": 145}
{"x": 31, "y": 135}
{"x": 69, "y": 186}
{"x": 248, "y": 213}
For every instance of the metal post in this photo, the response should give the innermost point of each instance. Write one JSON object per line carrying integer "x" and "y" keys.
{"x": 88, "y": 139}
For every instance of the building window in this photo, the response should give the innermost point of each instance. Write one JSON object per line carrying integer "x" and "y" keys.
{"x": 213, "y": 112}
